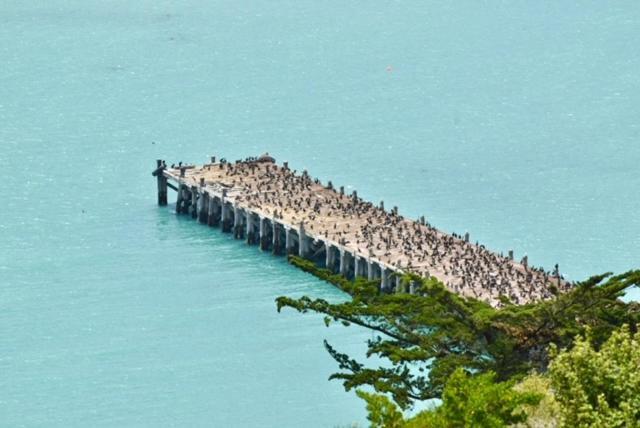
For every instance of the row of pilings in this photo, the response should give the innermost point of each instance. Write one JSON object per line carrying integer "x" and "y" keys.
{"x": 214, "y": 207}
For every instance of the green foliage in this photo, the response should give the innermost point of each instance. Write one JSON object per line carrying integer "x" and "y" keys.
{"x": 467, "y": 401}
{"x": 479, "y": 401}
{"x": 599, "y": 388}
{"x": 382, "y": 413}
{"x": 545, "y": 414}
{"x": 427, "y": 336}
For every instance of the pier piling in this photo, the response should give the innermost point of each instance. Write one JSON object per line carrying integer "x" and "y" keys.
{"x": 162, "y": 182}
{"x": 303, "y": 242}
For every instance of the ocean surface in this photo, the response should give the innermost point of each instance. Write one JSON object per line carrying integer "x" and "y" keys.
{"x": 516, "y": 121}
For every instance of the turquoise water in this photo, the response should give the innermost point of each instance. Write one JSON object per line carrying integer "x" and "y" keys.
{"x": 517, "y": 122}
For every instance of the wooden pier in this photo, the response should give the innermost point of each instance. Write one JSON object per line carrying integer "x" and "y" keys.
{"x": 287, "y": 212}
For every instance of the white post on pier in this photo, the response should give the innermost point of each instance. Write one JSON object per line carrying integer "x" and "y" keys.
{"x": 288, "y": 241}
{"x": 237, "y": 221}
{"x": 224, "y": 212}
{"x": 302, "y": 241}
{"x": 357, "y": 266}
{"x": 344, "y": 262}
{"x": 204, "y": 206}
{"x": 384, "y": 283}
{"x": 180, "y": 199}
{"x": 249, "y": 227}
{"x": 224, "y": 215}
{"x": 398, "y": 284}
{"x": 330, "y": 256}
{"x": 275, "y": 238}
{"x": 210, "y": 210}
{"x": 194, "y": 202}
{"x": 370, "y": 272}
{"x": 263, "y": 233}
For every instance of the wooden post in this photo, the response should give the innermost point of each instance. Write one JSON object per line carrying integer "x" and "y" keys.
{"x": 398, "y": 282}
{"x": 330, "y": 260}
{"x": 210, "y": 210}
{"x": 180, "y": 199}
{"x": 384, "y": 283}
{"x": 237, "y": 222}
{"x": 224, "y": 216}
{"x": 250, "y": 231}
{"x": 302, "y": 241}
{"x": 204, "y": 207}
{"x": 162, "y": 184}
{"x": 288, "y": 242}
{"x": 194, "y": 202}
{"x": 263, "y": 234}
{"x": 344, "y": 263}
{"x": 217, "y": 212}
{"x": 224, "y": 212}
{"x": 275, "y": 238}
{"x": 357, "y": 265}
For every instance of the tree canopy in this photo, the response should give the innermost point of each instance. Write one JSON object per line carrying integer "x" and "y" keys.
{"x": 467, "y": 401}
{"x": 599, "y": 388}
{"x": 428, "y": 335}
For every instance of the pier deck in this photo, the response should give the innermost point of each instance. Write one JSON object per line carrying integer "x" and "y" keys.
{"x": 286, "y": 212}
